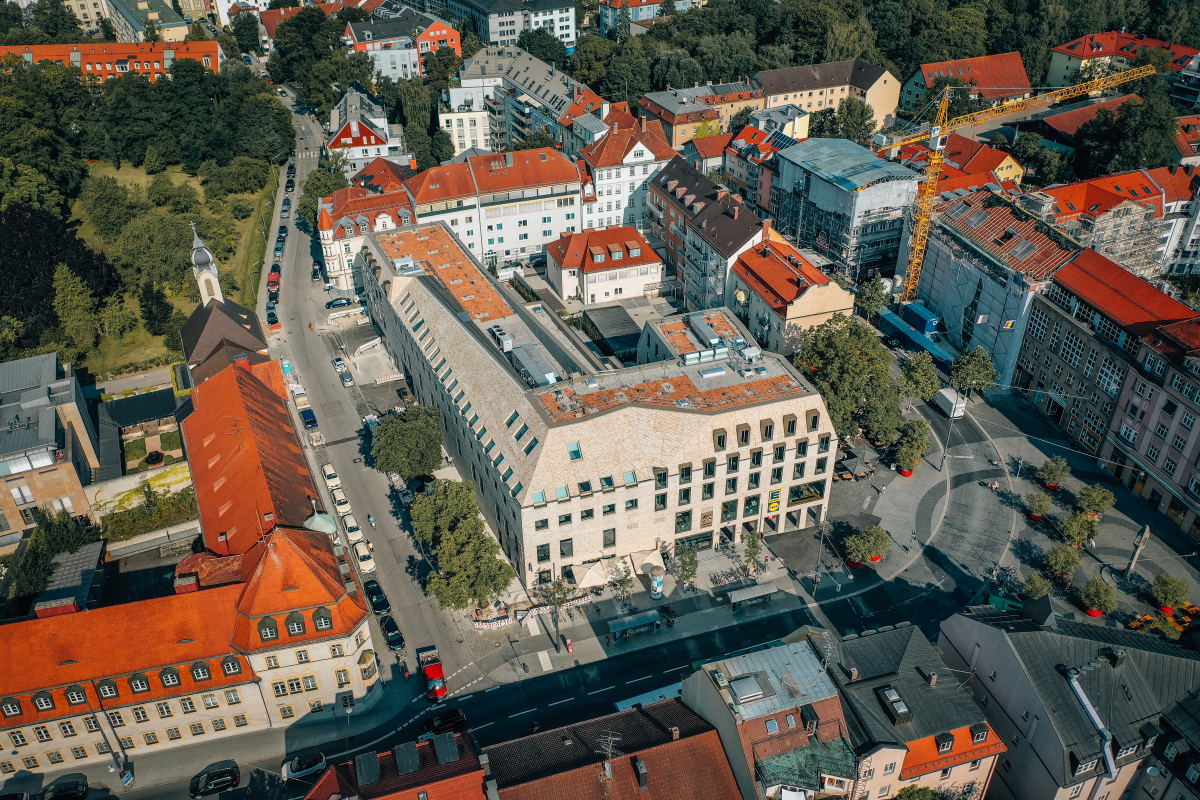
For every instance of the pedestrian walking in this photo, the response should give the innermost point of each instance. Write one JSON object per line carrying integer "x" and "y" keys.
{"x": 882, "y": 489}
{"x": 608, "y": 639}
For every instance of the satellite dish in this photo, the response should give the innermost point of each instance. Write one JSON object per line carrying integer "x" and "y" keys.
{"x": 740, "y": 295}
{"x": 1153, "y": 772}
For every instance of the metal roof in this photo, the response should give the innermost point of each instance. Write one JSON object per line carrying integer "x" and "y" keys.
{"x": 845, "y": 164}
{"x": 788, "y": 676}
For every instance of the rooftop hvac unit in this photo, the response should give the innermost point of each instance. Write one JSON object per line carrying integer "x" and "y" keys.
{"x": 707, "y": 336}
{"x": 502, "y": 339}
{"x": 722, "y": 682}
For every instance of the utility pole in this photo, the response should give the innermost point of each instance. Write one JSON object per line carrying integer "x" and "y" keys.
{"x": 820, "y": 550}
{"x": 1139, "y": 545}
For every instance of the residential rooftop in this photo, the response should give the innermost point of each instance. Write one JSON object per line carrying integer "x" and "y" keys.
{"x": 30, "y": 391}
{"x": 1124, "y": 45}
{"x": 1013, "y": 238}
{"x": 1130, "y": 301}
{"x": 778, "y": 273}
{"x": 994, "y": 77}
{"x": 770, "y": 680}
{"x": 856, "y": 73}
{"x": 846, "y": 165}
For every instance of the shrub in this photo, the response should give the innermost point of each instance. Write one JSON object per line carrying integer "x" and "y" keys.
{"x": 171, "y": 440}
{"x": 1053, "y": 471}
{"x": 135, "y": 450}
{"x": 158, "y": 510}
{"x": 1161, "y": 622}
{"x": 869, "y": 543}
{"x": 1062, "y": 559}
{"x": 1169, "y": 591}
{"x": 240, "y": 208}
{"x": 1078, "y": 528}
{"x": 1037, "y": 586}
{"x": 1099, "y": 596}
{"x": 1038, "y": 503}
{"x": 914, "y": 441}
{"x": 1095, "y": 499}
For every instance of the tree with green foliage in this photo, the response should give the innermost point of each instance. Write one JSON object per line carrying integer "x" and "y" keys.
{"x": 155, "y": 308}
{"x": 441, "y": 68}
{"x": 275, "y": 5}
{"x": 742, "y": 118}
{"x": 75, "y": 307}
{"x": 34, "y": 566}
{"x": 1095, "y": 499}
{"x": 469, "y": 567}
{"x": 688, "y": 563}
{"x": 620, "y": 31}
{"x": 1136, "y": 135}
{"x": 229, "y": 48}
{"x": 542, "y": 44}
{"x": 869, "y": 543}
{"x": 23, "y": 185}
{"x": 823, "y": 124}
{"x": 154, "y": 163}
{"x": 1078, "y": 528}
{"x": 871, "y": 297}
{"x": 436, "y": 511}
{"x": 973, "y": 371}
{"x": 850, "y": 368}
{"x": 150, "y": 32}
{"x": 321, "y": 182}
{"x": 626, "y": 78}
{"x": 441, "y": 146}
{"x": 1036, "y": 586}
{"x": 752, "y": 557}
{"x": 420, "y": 144}
{"x": 1099, "y": 596}
{"x": 1053, "y": 471}
{"x": 195, "y": 33}
{"x": 621, "y": 579}
{"x": 107, "y": 32}
{"x": 534, "y": 141}
{"x": 172, "y": 339}
{"x": 245, "y": 31}
{"x": 919, "y": 377}
{"x": 409, "y": 443}
{"x": 727, "y": 57}
{"x": 921, "y": 793}
{"x": 667, "y": 9}
{"x": 914, "y": 441}
{"x": 104, "y": 202}
{"x": 352, "y": 14}
{"x": 677, "y": 68}
{"x": 1169, "y": 591}
{"x": 115, "y": 318}
{"x": 1038, "y": 504}
{"x": 1062, "y": 559}
{"x": 554, "y": 594}
{"x": 468, "y": 37}
{"x": 589, "y": 62}
{"x": 157, "y": 509}
{"x": 1042, "y": 166}
{"x": 961, "y": 103}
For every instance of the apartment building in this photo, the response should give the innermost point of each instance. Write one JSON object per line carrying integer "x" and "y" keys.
{"x": 820, "y": 86}
{"x": 1109, "y": 52}
{"x": 501, "y": 207}
{"x": 704, "y": 227}
{"x": 751, "y": 167}
{"x": 346, "y": 217}
{"x": 1084, "y": 330}
{"x": 1187, "y": 141}
{"x": 778, "y": 293}
{"x": 846, "y": 203}
{"x": 681, "y": 116}
{"x": 993, "y": 79}
{"x": 130, "y": 18}
{"x": 499, "y": 23}
{"x": 707, "y": 153}
{"x": 107, "y": 60}
{"x": 1082, "y": 707}
{"x": 791, "y": 120}
{"x": 358, "y": 127}
{"x": 600, "y": 265}
{"x": 618, "y": 169}
{"x": 399, "y": 44}
{"x": 467, "y": 126}
{"x": 541, "y": 427}
{"x": 727, "y": 99}
{"x": 49, "y": 447}
{"x": 444, "y": 765}
{"x": 89, "y": 13}
{"x": 610, "y": 11}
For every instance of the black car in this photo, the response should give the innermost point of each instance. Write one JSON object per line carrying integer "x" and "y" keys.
{"x": 70, "y": 787}
{"x": 375, "y": 595}
{"x": 283, "y": 231}
{"x": 339, "y": 302}
{"x": 287, "y": 202}
{"x": 273, "y": 295}
{"x": 290, "y": 186}
{"x": 391, "y": 632}
{"x": 452, "y": 720}
{"x": 272, "y": 319}
{"x": 217, "y": 778}
{"x": 316, "y": 273}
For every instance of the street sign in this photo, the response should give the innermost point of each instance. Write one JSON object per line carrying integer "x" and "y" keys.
{"x": 127, "y": 779}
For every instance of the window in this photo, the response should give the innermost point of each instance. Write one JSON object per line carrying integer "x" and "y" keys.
{"x": 1125, "y": 751}
{"x": 608, "y": 509}
{"x": 272, "y": 662}
{"x": 606, "y": 483}
{"x": 42, "y": 733}
{"x": 231, "y": 667}
{"x": 140, "y": 715}
{"x": 11, "y": 708}
{"x": 631, "y": 504}
{"x": 187, "y": 704}
{"x": 18, "y": 739}
{"x": 1091, "y": 765}
{"x": 115, "y": 719}
{"x": 197, "y": 728}
{"x": 31, "y": 762}
{"x": 173, "y": 734}
{"x": 980, "y": 736}
{"x": 564, "y": 519}
{"x": 945, "y": 773}
{"x": 660, "y": 502}
{"x": 218, "y": 724}
{"x": 294, "y": 685}
{"x": 109, "y": 690}
{"x": 529, "y": 447}
{"x": 541, "y": 524}
{"x": 772, "y": 726}
{"x": 512, "y": 419}
{"x": 43, "y": 702}
{"x": 889, "y": 768}
{"x": 310, "y": 683}
{"x": 336, "y": 651}
{"x": 543, "y": 553}
{"x": 685, "y": 496}
{"x": 706, "y": 491}
{"x": 685, "y": 474}
{"x": 200, "y": 671}
{"x": 732, "y": 465}
{"x": 239, "y": 720}
{"x": 1192, "y": 774}
{"x": 1170, "y": 752}
{"x": 343, "y": 677}
{"x": 77, "y": 752}
{"x": 68, "y": 729}
{"x": 7, "y": 768}
{"x": 944, "y": 747}
{"x": 91, "y": 724}
{"x": 210, "y": 701}
{"x": 75, "y": 697}
{"x": 574, "y": 452}
{"x": 884, "y": 791}
{"x": 975, "y": 765}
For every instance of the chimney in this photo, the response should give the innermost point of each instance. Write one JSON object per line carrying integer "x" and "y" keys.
{"x": 604, "y": 106}
{"x": 643, "y": 119}
{"x": 643, "y": 776}
{"x": 508, "y": 159}
{"x": 721, "y": 193}
{"x": 674, "y": 734}
{"x": 735, "y": 212}
{"x": 933, "y": 679}
{"x": 766, "y": 227}
{"x": 854, "y": 673}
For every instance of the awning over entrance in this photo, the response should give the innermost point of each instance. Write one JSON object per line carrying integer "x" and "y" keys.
{"x": 641, "y": 620}
{"x": 753, "y": 592}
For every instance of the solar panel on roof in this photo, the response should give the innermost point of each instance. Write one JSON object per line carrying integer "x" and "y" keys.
{"x": 407, "y": 759}
{"x": 367, "y": 766}
{"x": 976, "y": 219}
{"x": 446, "y": 748}
{"x": 1023, "y": 249}
{"x": 958, "y": 209}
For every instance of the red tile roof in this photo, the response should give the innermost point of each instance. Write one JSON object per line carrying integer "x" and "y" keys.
{"x": 439, "y": 184}
{"x": 271, "y": 19}
{"x": 353, "y": 204}
{"x": 626, "y": 134}
{"x": 1187, "y": 141}
{"x": 583, "y": 100}
{"x": 1178, "y": 183}
{"x": 991, "y": 234}
{"x": 1068, "y": 123}
{"x": 996, "y": 77}
{"x": 767, "y": 270}
{"x": 712, "y": 146}
{"x": 249, "y": 471}
{"x": 925, "y": 756}
{"x": 97, "y": 59}
{"x": 541, "y": 167}
{"x": 1095, "y": 197}
{"x": 461, "y": 779}
{"x": 1178, "y": 341}
{"x": 1128, "y": 300}
{"x": 382, "y": 175}
{"x": 951, "y": 180}
{"x": 1125, "y": 45}
{"x": 577, "y": 250}
{"x": 967, "y": 155}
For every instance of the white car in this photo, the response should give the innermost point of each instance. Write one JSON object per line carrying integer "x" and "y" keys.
{"x": 340, "y": 502}
{"x": 366, "y": 564}
{"x": 354, "y": 533}
{"x": 339, "y": 365}
{"x": 331, "y": 477}
{"x": 300, "y": 766}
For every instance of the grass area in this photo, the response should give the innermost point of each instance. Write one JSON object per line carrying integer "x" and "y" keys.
{"x": 135, "y": 449}
{"x": 171, "y": 440}
{"x": 252, "y": 250}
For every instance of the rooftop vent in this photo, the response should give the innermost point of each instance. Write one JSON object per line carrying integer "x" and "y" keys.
{"x": 722, "y": 682}
{"x": 745, "y": 690}
{"x": 367, "y": 768}
{"x": 643, "y": 776}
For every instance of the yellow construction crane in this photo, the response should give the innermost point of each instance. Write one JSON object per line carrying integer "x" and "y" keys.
{"x": 935, "y": 139}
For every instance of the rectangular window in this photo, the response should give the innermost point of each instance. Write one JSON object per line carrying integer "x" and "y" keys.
{"x": 173, "y": 734}
{"x": 197, "y": 728}
{"x": 529, "y": 447}
{"x": 631, "y": 504}
{"x": 608, "y": 509}
{"x": 685, "y": 474}
{"x": 564, "y": 519}
{"x": 729, "y": 511}
{"x": 610, "y": 537}
{"x": 731, "y": 486}
{"x": 140, "y": 715}
{"x": 750, "y": 508}
{"x": 543, "y": 553}
{"x": 233, "y": 698}
{"x": 115, "y": 719}
{"x": 660, "y": 502}
{"x": 67, "y": 729}
{"x": 187, "y": 705}
{"x": 820, "y": 470}
{"x": 777, "y": 475}
{"x": 574, "y": 452}
{"x": 706, "y": 491}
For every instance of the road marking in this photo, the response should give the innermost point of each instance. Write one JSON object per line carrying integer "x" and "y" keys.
{"x": 635, "y": 680}
{"x": 481, "y": 727}
{"x": 559, "y": 702}
{"x": 674, "y": 669}
{"x": 494, "y": 688}
{"x": 519, "y": 713}
{"x": 544, "y": 658}
{"x": 598, "y": 691}
{"x": 866, "y": 501}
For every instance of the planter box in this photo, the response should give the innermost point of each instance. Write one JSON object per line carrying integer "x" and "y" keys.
{"x": 854, "y": 564}
{"x": 1092, "y": 612}
{"x": 1166, "y": 609}
{"x": 1051, "y": 486}
{"x": 877, "y": 558}
{"x": 906, "y": 473}
{"x": 1036, "y": 517}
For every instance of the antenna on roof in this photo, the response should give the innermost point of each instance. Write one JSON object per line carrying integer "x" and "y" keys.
{"x": 234, "y": 429}
{"x": 607, "y": 743}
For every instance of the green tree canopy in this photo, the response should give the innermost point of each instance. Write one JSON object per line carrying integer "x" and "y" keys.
{"x": 542, "y": 44}
{"x": 914, "y": 442}
{"x": 441, "y": 67}
{"x": 973, "y": 371}
{"x": 867, "y": 544}
{"x": 410, "y": 443}
{"x": 534, "y": 141}
{"x": 245, "y": 31}
{"x": 34, "y": 566}
{"x": 1062, "y": 559}
{"x": 1053, "y": 471}
{"x": 75, "y": 307}
{"x": 919, "y": 377}
{"x": 1169, "y": 591}
{"x": 589, "y": 63}
{"x": 1036, "y": 586}
{"x": 1038, "y": 503}
{"x": 445, "y": 508}
{"x": 319, "y": 183}
{"x": 1078, "y": 528}
{"x": 1095, "y": 499}
{"x": 677, "y": 68}
{"x": 1099, "y": 596}
{"x": 469, "y": 567}
{"x": 871, "y": 297}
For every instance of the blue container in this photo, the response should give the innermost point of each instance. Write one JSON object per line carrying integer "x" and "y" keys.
{"x": 921, "y": 318}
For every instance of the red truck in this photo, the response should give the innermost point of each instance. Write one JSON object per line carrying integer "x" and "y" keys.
{"x": 435, "y": 678}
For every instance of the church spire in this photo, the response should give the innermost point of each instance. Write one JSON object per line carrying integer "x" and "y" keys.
{"x": 204, "y": 267}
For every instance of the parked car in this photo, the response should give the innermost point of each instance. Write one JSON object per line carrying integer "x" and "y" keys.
{"x": 378, "y": 600}
{"x": 221, "y": 776}
{"x": 347, "y": 379}
{"x": 290, "y": 186}
{"x": 353, "y": 532}
{"x": 300, "y": 766}
{"x": 331, "y": 477}
{"x": 272, "y": 318}
{"x": 273, "y": 280}
{"x": 285, "y": 214}
{"x": 246, "y": 58}
{"x": 452, "y": 720}
{"x": 287, "y": 201}
{"x": 339, "y": 302}
{"x": 309, "y": 418}
{"x": 340, "y": 502}
{"x": 339, "y": 365}
{"x": 283, "y": 231}
{"x": 316, "y": 273}
{"x": 68, "y": 787}
{"x": 276, "y": 269}
{"x": 272, "y": 305}
{"x": 366, "y": 564}
{"x": 273, "y": 294}
{"x": 391, "y": 632}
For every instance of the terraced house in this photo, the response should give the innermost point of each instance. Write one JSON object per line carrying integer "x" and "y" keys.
{"x": 728, "y": 440}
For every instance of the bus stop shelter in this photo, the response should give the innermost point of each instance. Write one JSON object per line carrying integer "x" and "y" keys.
{"x": 762, "y": 591}
{"x": 623, "y": 626}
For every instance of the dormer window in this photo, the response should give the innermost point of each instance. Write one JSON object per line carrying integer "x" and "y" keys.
{"x": 231, "y": 666}
{"x": 1091, "y": 765}
{"x": 267, "y": 630}
{"x": 10, "y": 708}
{"x": 138, "y": 683}
{"x": 295, "y": 624}
{"x": 169, "y": 678}
{"x": 1170, "y": 752}
{"x": 43, "y": 701}
{"x": 322, "y": 619}
{"x": 108, "y": 689}
{"x": 1193, "y": 772}
{"x": 1127, "y": 751}
{"x": 945, "y": 742}
{"x": 200, "y": 672}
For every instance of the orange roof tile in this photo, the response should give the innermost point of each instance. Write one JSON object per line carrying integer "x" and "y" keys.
{"x": 1178, "y": 183}
{"x": 1092, "y": 198}
{"x": 457, "y": 272}
{"x": 1130, "y": 301}
{"x": 1125, "y": 45}
{"x": 439, "y": 184}
{"x": 541, "y": 167}
{"x": 996, "y": 76}
{"x": 967, "y": 155}
{"x": 461, "y": 779}
{"x": 583, "y": 99}
{"x": 992, "y": 235}
{"x": 1068, "y": 123}
{"x": 1187, "y": 141}
{"x": 766, "y": 269}
{"x": 353, "y": 205}
{"x": 923, "y": 755}
{"x": 382, "y": 175}
{"x": 626, "y": 134}
{"x": 210, "y": 570}
{"x": 249, "y": 471}
{"x": 574, "y": 250}
{"x": 712, "y": 146}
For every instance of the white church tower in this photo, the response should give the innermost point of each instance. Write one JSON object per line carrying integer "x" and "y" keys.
{"x": 204, "y": 267}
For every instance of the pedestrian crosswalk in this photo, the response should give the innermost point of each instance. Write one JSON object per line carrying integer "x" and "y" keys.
{"x": 308, "y": 154}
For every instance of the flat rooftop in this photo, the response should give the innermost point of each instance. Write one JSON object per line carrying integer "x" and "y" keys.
{"x": 771, "y": 680}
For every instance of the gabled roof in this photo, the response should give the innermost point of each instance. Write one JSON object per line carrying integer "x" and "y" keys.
{"x": 249, "y": 471}
{"x": 674, "y": 107}
{"x": 220, "y": 321}
{"x": 439, "y": 184}
{"x": 225, "y": 354}
{"x": 578, "y": 250}
{"x": 711, "y": 146}
{"x": 623, "y": 137}
{"x": 548, "y": 86}
{"x": 967, "y": 155}
{"x": 382, "y": 175}
{"x": 992, "y": 226}
{"x": 1128, "y": 300}
{"x": 855, "y": 73}
{"x": 1123, "y": 45}
{"x": 1068, "y": 123}
{"x": 353, "y": 211}
{"x": 503, "y": 172}
{"x": 409, "y": 23}
{"x": 778, "y": 273}
{"x": 438, "y": 777}
{"x": 1097, "y": 196}
{"x": 713, "y": 213}
{"x": 996, "y": 77}
{"x": 1177, "y": 342}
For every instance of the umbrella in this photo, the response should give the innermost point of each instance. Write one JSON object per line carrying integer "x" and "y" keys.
{"x": 597, "y": 575}
{"x": 852, "y": 463}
